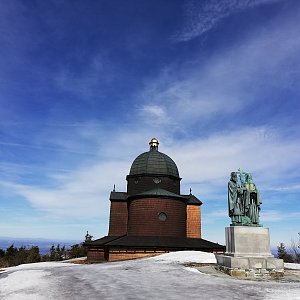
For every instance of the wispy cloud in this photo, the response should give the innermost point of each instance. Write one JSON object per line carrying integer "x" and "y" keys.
{"x": 202, "y": 16}
{"x": 272, "y": 216}
{"x": 214, "y": 157}
{"x": 231, "y": 81}
{"x": 276, "y": 215}
{"x": 85, "y": 190}
{"x": 268, "y": 216}
{"x": 89, "y": 82}
{"x": 203, "y": 162}
{"x": 153, "y": 111}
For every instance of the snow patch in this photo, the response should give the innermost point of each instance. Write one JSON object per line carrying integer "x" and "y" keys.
{"x": 19, "y": 284}
{"x": 161, "y": 277}
{"x": 186, "y": 257}
{"x": 292, "y": 266}
{"x": 40, "y": 265}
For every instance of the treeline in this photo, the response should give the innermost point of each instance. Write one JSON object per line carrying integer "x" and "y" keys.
{"x": 14, "y": 256}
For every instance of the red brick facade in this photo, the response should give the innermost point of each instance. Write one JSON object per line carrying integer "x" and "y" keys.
{"x": 193, "y": 221}
{"x": 96, "y": 255}
{"x": 118, "y": 218}
{"x": 144, "y": 217}
{"x": 115, "y": 255}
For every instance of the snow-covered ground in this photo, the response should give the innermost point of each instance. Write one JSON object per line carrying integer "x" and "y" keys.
{"x": 292, "y": 266}
{"x": 162, "y": 277}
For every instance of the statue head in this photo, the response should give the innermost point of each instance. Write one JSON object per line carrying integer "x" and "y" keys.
{"x": 233, "y": 176}
{"x": 248, "y": 178}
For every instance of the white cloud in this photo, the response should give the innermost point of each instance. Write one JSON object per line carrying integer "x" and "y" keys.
{"x": 275, "y": 216}
{"x": 227, "y": 84}
{"x": 84, "y": 193}
{"x": 99, "y": 71}
{"x": 202, "y": 16}
{"x": 153, "y": 112}
{"x": 204, "y": 164}
{"x": 272, "y": 216}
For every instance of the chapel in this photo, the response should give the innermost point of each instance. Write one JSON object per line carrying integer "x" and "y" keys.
{"x": 152, "y": 216}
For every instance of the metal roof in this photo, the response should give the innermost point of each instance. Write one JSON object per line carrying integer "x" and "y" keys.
{"x": 118, "y": 196}
{"x": 158, "y": 193}
{"x": 144, "y": 242}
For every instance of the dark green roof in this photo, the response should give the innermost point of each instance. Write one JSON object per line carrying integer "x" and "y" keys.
{"x": 192, "y": 200}
{"x": 118, "y": 196}
{"x": 158, "y": 193}
{"x": 156, "y": 242}
{"x": 154, "y": 162}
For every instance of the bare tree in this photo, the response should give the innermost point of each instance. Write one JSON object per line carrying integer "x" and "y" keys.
{"x": 295, "y": 249}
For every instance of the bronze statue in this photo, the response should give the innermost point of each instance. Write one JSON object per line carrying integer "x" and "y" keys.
{"x": 243, "y": 200}
{"x": 235, "y": 204}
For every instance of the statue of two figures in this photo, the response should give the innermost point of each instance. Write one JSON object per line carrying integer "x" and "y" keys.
{"x": 243, "y": 200}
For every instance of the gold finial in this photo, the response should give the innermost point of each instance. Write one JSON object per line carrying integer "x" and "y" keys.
{"x": 154, "y": 144}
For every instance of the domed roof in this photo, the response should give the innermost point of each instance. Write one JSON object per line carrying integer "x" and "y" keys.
{"x": 154, "y": 162}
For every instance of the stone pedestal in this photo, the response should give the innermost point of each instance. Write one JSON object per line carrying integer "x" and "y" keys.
{"x": 248, "y": 253}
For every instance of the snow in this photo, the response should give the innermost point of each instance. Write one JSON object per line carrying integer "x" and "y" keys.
{"x": 292, "y": 266}
{"x": 78, "y": 259}
{"x": 187, "y": 257}
{"x": 151, "y": 278}
{"x": 39, "y": 266}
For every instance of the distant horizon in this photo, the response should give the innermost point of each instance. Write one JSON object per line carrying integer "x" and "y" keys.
{"x": 35, "y": 238}
{"x": 43, "y": 244}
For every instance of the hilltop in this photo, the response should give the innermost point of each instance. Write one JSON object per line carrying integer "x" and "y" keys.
{"x": 165, "y": 276}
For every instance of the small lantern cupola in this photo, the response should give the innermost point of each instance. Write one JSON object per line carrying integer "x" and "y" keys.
{"x": 154, "y": 144}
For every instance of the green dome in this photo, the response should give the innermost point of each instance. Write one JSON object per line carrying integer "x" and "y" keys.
{"x": 154, "y": 162}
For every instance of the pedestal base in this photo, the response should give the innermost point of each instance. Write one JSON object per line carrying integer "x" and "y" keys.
{"x": 248, "y": 253}
{"x": 251, "y": 266}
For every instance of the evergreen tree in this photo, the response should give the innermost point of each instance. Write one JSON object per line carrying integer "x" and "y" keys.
{"x": 77, "y": 250}
{"x": 2, "y": 262}
{"x": 64, "y": 252}
{"x": 33, "y": 255}
{"x": 52, "y": 253}
{"x": 10, "y": 255}
{"x": 45, "y": 257}
{"x": 283, "y": 254}
{"x": 20, "y": 256}
{"x": 2, "y": 253}
{"x": 58, "y": 254}
{"x": 16, "y": 256}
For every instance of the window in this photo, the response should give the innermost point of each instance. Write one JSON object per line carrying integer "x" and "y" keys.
{"x": 162, "y": 216}
{"x": 157, "y": 180}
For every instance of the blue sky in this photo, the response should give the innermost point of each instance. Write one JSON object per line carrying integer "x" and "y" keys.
{"x": 84, "y": 86}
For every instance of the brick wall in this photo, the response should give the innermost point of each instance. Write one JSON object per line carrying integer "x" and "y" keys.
{"x": 115, "y": 255}
{"x": 95, "y": 255}
{"x": 144, "y": 217}
{"x": 193, "y": 221}
{"x": 118, "y": 218}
